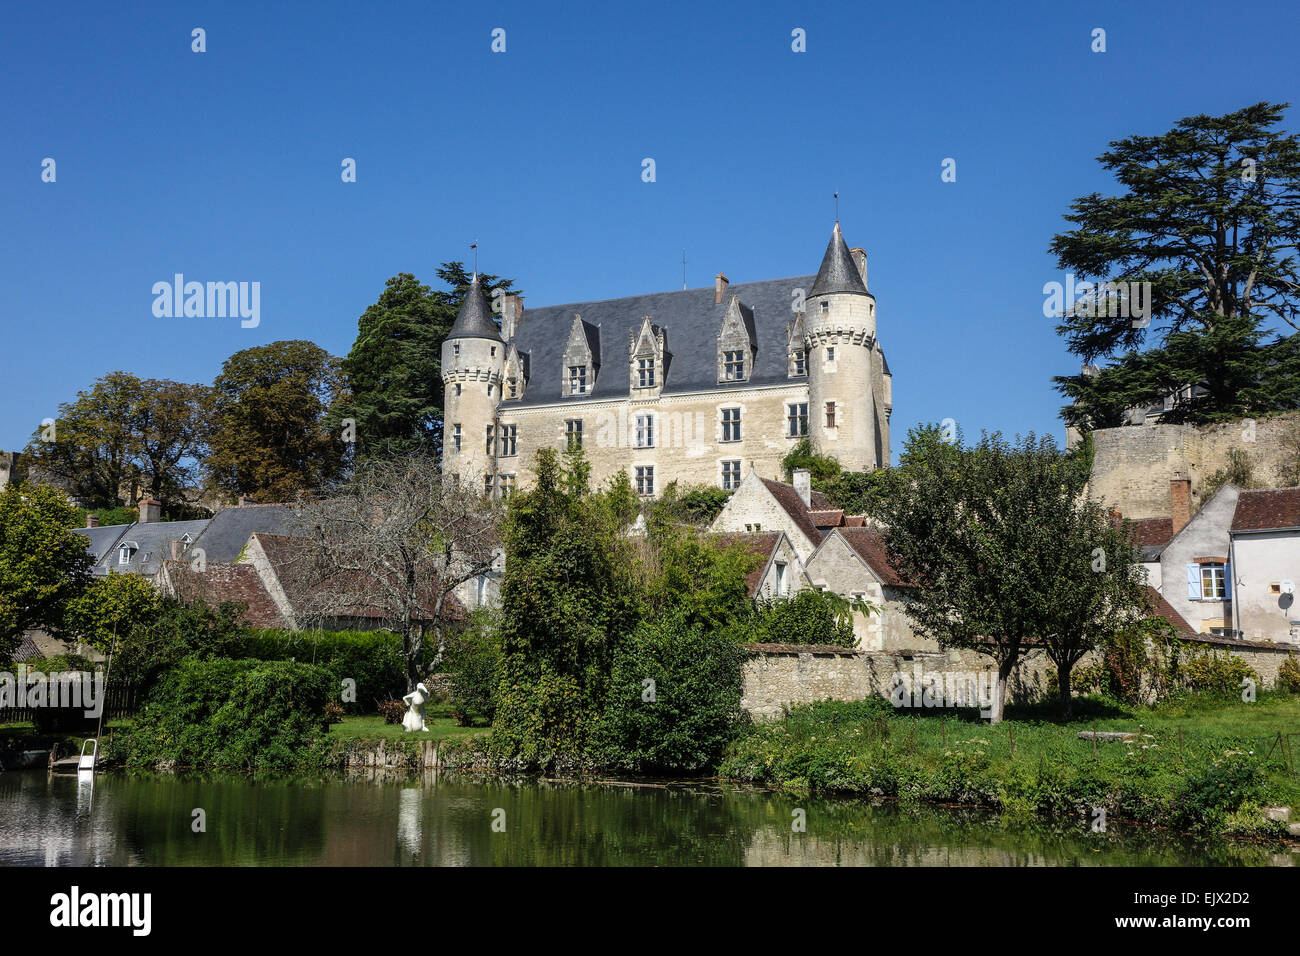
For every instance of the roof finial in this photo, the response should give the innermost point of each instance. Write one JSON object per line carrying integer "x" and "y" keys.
{"x": 474, "y": 245}
{"x": 837, "y": 207}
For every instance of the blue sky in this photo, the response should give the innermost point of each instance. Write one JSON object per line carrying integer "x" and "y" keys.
{"x": 225, "y": 166}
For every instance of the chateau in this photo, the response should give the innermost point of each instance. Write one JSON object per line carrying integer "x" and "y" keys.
{"x": 697, "y": 386}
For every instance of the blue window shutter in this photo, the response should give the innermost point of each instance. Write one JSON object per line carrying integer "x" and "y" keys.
{"x": 1193, "y": 582}
{"x": 1227, "y": 581}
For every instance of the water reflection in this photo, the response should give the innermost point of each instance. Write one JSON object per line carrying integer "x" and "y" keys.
{"x": 127, "y": 820}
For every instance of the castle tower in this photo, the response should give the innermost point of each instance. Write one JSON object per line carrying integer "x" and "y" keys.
{"x": 848, "y": 381}
{"x": 473, "y": 362}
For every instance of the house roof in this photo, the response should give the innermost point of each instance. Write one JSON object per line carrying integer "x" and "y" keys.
{"x": 474, "y": 320}
{"x": 1162, "y": 608}
{"x": 690, "y": 319}
{"x": 760, "y": 544}
{"x": 830, "y": 518}
{"x": 1267, "y": 510}
{"x": 218, "y": 583}
{"x": 228, "y": 530}
{"x": 788, "y": 498}
{"x": 870, "y": 546}
{"x": 150, "y": 540}
{"x": 1150, "y": 535}
{"x": 838, "y": 272}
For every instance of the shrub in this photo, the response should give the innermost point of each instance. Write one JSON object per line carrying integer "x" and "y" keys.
{"x": 684, "y": 719}
{"x": 1214, "y": 674}
{"x": 333, "y": 713}
{"x": 231, "y": 715}
{"x": 392, "y": 711}
{"x": 1213, "y": 792}
{"x": 1288, "y": 675}
{"x": 176, "y": 631}
{"x": 474, "y": 663}
{"x": 371, "y": 658}
{"x": 809, "y": 617}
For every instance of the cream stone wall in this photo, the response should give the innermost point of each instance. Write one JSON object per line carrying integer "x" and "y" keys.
{"x": 688, "y": 431}
{"x": 1133, "y": 464}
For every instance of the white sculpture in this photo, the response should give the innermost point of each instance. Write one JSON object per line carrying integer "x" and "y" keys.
{"x": 415, "y": 701}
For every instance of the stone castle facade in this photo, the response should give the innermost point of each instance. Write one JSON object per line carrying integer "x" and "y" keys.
{"x": 696, "y": 386}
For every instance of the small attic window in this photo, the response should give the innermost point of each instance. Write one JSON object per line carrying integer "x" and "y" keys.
{"x": 124, "y": 554}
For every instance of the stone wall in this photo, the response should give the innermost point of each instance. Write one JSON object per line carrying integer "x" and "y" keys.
{"x": 779, "y": 675}
{"x": 1134, "y": 463}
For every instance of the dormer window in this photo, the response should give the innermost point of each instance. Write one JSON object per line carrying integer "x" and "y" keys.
{"x": 581, "y": 360}
{"x": 734, "y": 366}
{"x": 577, "y": 379}
{"x": 646, "y": 373}
{"x": 798, "y": 362}
{"x": 126, "y": 552}
{"x": 647, "y": 359}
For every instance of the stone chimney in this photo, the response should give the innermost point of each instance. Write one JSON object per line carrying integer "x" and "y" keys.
{"x": 512, "y": 310}
{"x": 150, "y": 510}
{"x": 1180, "y": 502}
{"x": 860, "y": 260}
{"x": 720, "y": 284}
{"x": 245, "y": 501}
{"x": 803, "y": 485}
{"x": 92, "y": 521}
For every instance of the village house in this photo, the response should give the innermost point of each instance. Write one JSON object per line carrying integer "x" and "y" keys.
{"x": 1264, "y": 553}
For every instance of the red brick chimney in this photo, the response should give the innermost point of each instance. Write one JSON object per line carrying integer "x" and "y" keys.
{"x": 720, "y": 284}
{"x": 92, "y": 521}
{"x": 1180, "y": 502}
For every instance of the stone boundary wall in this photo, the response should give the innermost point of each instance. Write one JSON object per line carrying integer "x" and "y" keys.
{"x": 778, "y": 675}
{"x": 1134, "y": 463}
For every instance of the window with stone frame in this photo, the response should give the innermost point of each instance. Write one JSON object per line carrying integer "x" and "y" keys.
{"x": 735, "y": 343}
{"x": 645, "y": 371}
{"x": 796, "y": 414}
{"x": 645, "y": 480}
{"x": 581, "y": 359}
{"x": 645, "y": 431}
{"x": 647, "y": 359}
{"x": 507, "y": 485}
{"x": 798, "y": 362}
{"x": 573, "y": 433}
{"x": 509, "y": 434}
{"x": 734, "y": 366}
{"x": 577, "y": 379}
{"x": 491, "y": 435}
{"x": 731, "y": 424}
{"x": 830, "y": 414}
{"x": 731, "y": 475}
{"x": 455, "y": 438}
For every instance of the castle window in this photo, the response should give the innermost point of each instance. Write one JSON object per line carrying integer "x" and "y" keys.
{"x": 489, "y": 391}
{"x": 458, "y": 389}
{"x": 645, "y": 373}
{"x": 830, "y": 414}
{"x": 507, "y": 485}
{"x": 573, "y": 433}
{"x": 645, "y": 431}
{"x": 508, "y": 435}
{"x": 455, "y": 439}
{"x": 645, "y": 480}
{"x": 494, "y": 351}
{"x": 830, "y": 353}
{"x": 512, "y": 388}
{"x": 577, "y": 379}
{"x": 730, "y": 475}
{"x": 491, "y": 433}
{"x": 797, "y": 419}
{"x": 731, "y": 424}
{"x": 799, "y": 362}
{"x": 826, "y": 307}
{"x": 455, "y": 349}
{"x": 734, "y": 363}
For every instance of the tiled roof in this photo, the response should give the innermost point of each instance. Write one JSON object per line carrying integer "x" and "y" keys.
{"x": 1267, "y": 510}
{"x": 1162, "y": 608}
{"x": 793, "y": 505}
{"x": 760, "y": 545}
{"x": 832, "y": 518}
{"x": 226, "y": 582}
{"x": 1151, "y": 531}
{"x": 870, "y": 546}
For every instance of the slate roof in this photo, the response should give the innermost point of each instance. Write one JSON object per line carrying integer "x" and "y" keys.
{"x": 228, "y": 530}
{"x": 690, "y": 319}
{"x": 759, "y": 544}
{"x": 870, "y": 546}
{"x": 474, "y": 320}
{"x": 151, "y": 541}
{"x": 838, "y": 272}
{"x": 1267, "y": 510}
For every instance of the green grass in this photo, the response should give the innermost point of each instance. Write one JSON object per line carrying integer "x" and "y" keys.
{"x": 373, "y": 728}
{"x": 1216, "y": 781}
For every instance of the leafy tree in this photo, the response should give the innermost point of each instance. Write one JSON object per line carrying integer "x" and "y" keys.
{"x": 393, "y": 370}
{"x": 809, "y": 616}
{"x": 567, "y": 598}
{"x": 695, "y": 505}
{"x": 821, "y": 468}
{"x": 269, "y": 435}
{"x": 1239, "y": 471}
{"x": 988, "y": 536}
{"x": 43, "y": 565}
{"x": 174, "y": 630}
{"x": 1209, "y": 217}
{"x": 112, "y": 608}
{"x": 125, "y": 436}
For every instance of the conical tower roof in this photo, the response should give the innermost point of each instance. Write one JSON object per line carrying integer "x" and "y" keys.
{"x": 839, "y": 273}
{"x": 474, "y": 321}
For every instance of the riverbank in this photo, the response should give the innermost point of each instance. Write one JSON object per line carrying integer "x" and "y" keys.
{"x": 1199, "y": 765}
